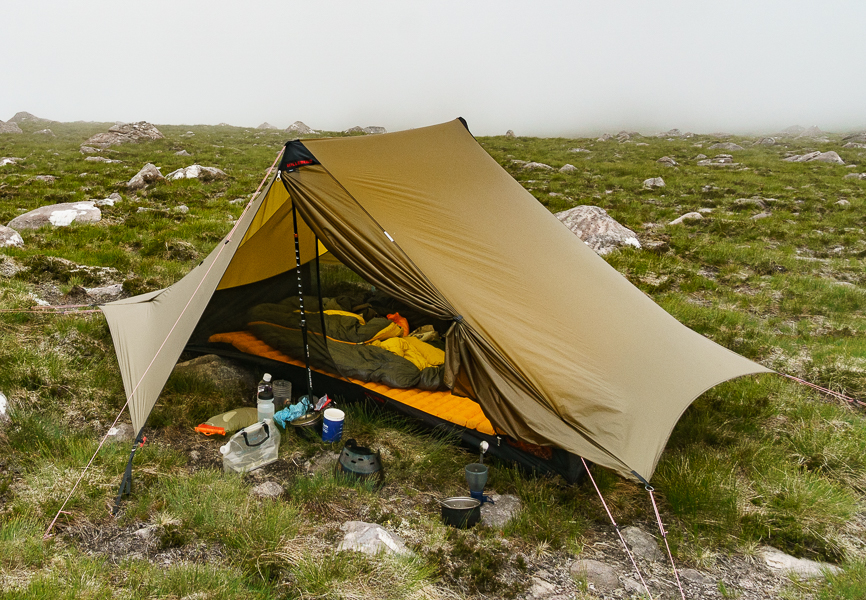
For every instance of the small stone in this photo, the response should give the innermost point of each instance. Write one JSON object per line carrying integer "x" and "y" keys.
{"x": 110, "y": 201}
{"x": 101, "y": 159}
{"x": 778, "y": 560}
{"x": 46, "y": 178}
{"x": 370, "y": 538}
{"x": 601, "y": 576}
{"x": 10, "y": 238}
{"x": 104, "y": 294}
{"x": 239, "y": 201}
{"x": 643, "y": 545}
{"x": 726, "y": 146}
{"x": 667, "y": 161}
{"x": 501, "y": 511}
{"x": 149, "y": 174}
{"x": 182, "y": 153}
{"x": 700, "y": 156}
{"x": 696, "y": 577}
{"x": 89, "y": 149}
{"x": 536, "y": 166}
{"x": 690, "y": 216}
{"x": 842, "y": 202}
{"x": 579, "y": 150}
{"x": 181, "y": 208}
{"x": 540, "y": 589}
{"x": 4, "y": 407}
{"x": 268, "y": 489}
{"x": 762, "y": 215}
{"x": 633, "y": 586}
{"x": 121, "y": 433}
{"x": 568, "y": 168}
{"x": 653, "y": 183}
{"x": 766, "y": 141}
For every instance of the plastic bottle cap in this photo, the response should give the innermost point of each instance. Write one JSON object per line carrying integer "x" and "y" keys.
{"x": 267, "y": 377}
{"x": 224, "y": 449}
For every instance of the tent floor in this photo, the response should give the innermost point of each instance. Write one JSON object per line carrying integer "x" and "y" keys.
{"x": 440, "y": 410}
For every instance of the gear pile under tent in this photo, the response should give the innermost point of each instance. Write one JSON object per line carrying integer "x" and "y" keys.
{"x": 549, "y": 353}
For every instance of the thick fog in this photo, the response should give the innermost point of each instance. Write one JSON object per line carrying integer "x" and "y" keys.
{"x": 544, "y": 68}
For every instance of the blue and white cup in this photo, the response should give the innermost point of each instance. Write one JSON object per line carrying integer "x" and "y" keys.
{"x": 332, "y": 425}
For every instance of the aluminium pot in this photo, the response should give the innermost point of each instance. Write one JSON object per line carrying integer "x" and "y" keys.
{"x": 462, "y": 512}
{"x": 308, "y": 426}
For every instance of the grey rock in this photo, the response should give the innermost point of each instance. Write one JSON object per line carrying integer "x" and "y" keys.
{"x": 239, "y": 201}
{"x": 266, "y": 125}
{"x": 181, "y": 208}
{"x": 854, "y": 176}
{"x": 370, "y": 538}
{"x": 842, "y": 202}
{"x": 537, "y": 166}
{"x": 355, "y": 129}
{"x": 322, "y": 463}
{"x": 149, "y": 174}
{"x": 762, "y": 215}
{"x": 46, "y": 132}
{"x": 855, "y": 138}
{"x": 124, "y": 133}
{"x": 58, "y": 215}
{"x": 766, "y": 141}
{"x": 643, "y": 545}
{"x": 121, "y": 433}
{"x": 9, "y": 267}
{"x": 605, "y": 137}
{"x": 101, "y": 159}
{"x": 812, "y": 133}
{"x": 568, "y": 168}
{"x": 502, "y": 510}
{"x": 779, "y": 561}
{"x": 182, "y": 153}
{"x": 690, "y": 216}
{"x": 700, "y": 156}
{"x": 671, "y": 133}
{"x": 46, "y": 178}
{"x": 793, "y": 130}
{"x": 696, "y": 577}
{"x": 301, "y": 129}
{"x": 26, "y": 117}
{"x": 601, "y": 576}
{"x": 579, "y": 150}
{"x": 667, "y": 161}
{"x": 222, "y": 372}
{"x": 509, "y": 134}
{"x": 89, "y": 150}
{"x": 9, "y": 160}
{"x": 145, "y": 533}
{"x": 374, "y": 130}
{"x": 104, "y": 294}
{"x": 197, "y": 172}
{"x": 9, "y": 127}
{"x": 726, "y": 146}
{"x": 268, "y": 489}
{"x": 597, "y": 229}
{"x": 720, "y": 160}
{"x": 110, "y": 201}
{"x": 854, "y": 145}
{"x": 749, "y": 203}
{"x": 9, "y": 238}
{"x": 632, "y": 587}
{"x": 827, "y": 157}
{"x": 4, "y": 408}
{"x": 540, "y": 589}
{"x": 653, "y": 183}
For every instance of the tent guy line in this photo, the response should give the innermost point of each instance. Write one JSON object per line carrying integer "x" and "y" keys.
{"x": 156, "y": 354}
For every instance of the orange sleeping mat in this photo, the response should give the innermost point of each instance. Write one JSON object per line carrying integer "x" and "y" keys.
{"x": 463, "y": 412}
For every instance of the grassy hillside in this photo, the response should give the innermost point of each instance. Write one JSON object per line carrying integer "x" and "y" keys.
{"x": 756, "y": 461}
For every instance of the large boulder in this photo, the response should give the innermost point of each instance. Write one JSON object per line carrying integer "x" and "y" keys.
{"x": 300, "y": 128}
{"x": 597, "y": 229}
{"x": 374, "y": 130}
{"x": 9, "y": 128}
{"x": 857, "y": 138}
{"x": 26, "y": 117}
{"x": 266, "y": 125}
{"x": 726, "y": 146}
{"x": 124, "y": 133}
{"x": 10, "y": 238}
{"x": 58, "y": 215}
{"x": 149, "y": 174}
{"x": 197, "y": 172}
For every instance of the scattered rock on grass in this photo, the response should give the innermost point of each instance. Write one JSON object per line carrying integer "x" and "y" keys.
{"x": 501, "y": 511}
{"x": 643, "y": 545}
{"x": 579, "y": 150}
{"x": 766, "y": 141}
{"x": 601, "y": 576}
{"x": 827, "y": 157}
{"x": 124, "y": 133}
{"x": 726, "y": 146}
{"x": 597, "y": 229}
{"x": 720, "y": 160}
{"x": 46, "y": 178}
{"x": 778, "y": 560}
{"x": 9, "y": 127}
{"x": 568, "y": 168}
{"x": 371, "y": 538}
{"x": 46, "y": 132}
{"x": 101, "y": 159}
{"x": 268, "y": 489}
{"x": 110, "y": 201}
{"x": 690, "y": 216}
{"x": 58, "y": 215}
{"x": 149, "y": 174}
{"x": 4, "y": 407}
{"x": 509, "y": 134}
{"x": 220, "y": 371}
{"x": 653, "y": 183}
{"x": 537, "y": 166}
{"x": 762, "y": 215}
{"x": 696, "y": 577}
{"x": 10, "y": 238}
{"x": 182, "y": 153}
{"x": 105, "y": 294}
{"x": 266, "y": 125}
{"x": 300, "y": 128}
{"x": 197, "y": 172}
{"x": 121, "y": 433}
{"x": 667, "y": 161}
{"x": 9, "y": 160}
{"x": 842, "y": 202}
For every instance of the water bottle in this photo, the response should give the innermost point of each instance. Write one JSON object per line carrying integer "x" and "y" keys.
{"x": 265, "y": 398}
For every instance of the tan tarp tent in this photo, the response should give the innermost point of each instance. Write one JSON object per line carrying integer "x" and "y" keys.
{"x": 556, "y": 346}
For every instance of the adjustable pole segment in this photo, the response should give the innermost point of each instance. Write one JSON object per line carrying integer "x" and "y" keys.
{"x": 301, "y": 301}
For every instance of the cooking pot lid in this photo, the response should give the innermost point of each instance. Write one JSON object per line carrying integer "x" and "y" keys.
{"x": 307, "y": 419}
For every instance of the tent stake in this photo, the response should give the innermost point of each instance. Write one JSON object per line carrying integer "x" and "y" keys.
{"x": 126, "y": 482}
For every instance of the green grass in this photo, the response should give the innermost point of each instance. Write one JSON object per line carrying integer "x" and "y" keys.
{"x": 754, "y": 461}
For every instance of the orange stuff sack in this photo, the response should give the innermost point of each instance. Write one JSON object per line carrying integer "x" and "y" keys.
{"x": 403, "y": 323}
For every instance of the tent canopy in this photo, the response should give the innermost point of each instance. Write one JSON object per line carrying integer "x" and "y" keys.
{"x": 555, "y": 345}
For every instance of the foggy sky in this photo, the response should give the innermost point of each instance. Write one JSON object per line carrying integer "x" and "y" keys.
{"x": 539, "y": 68}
